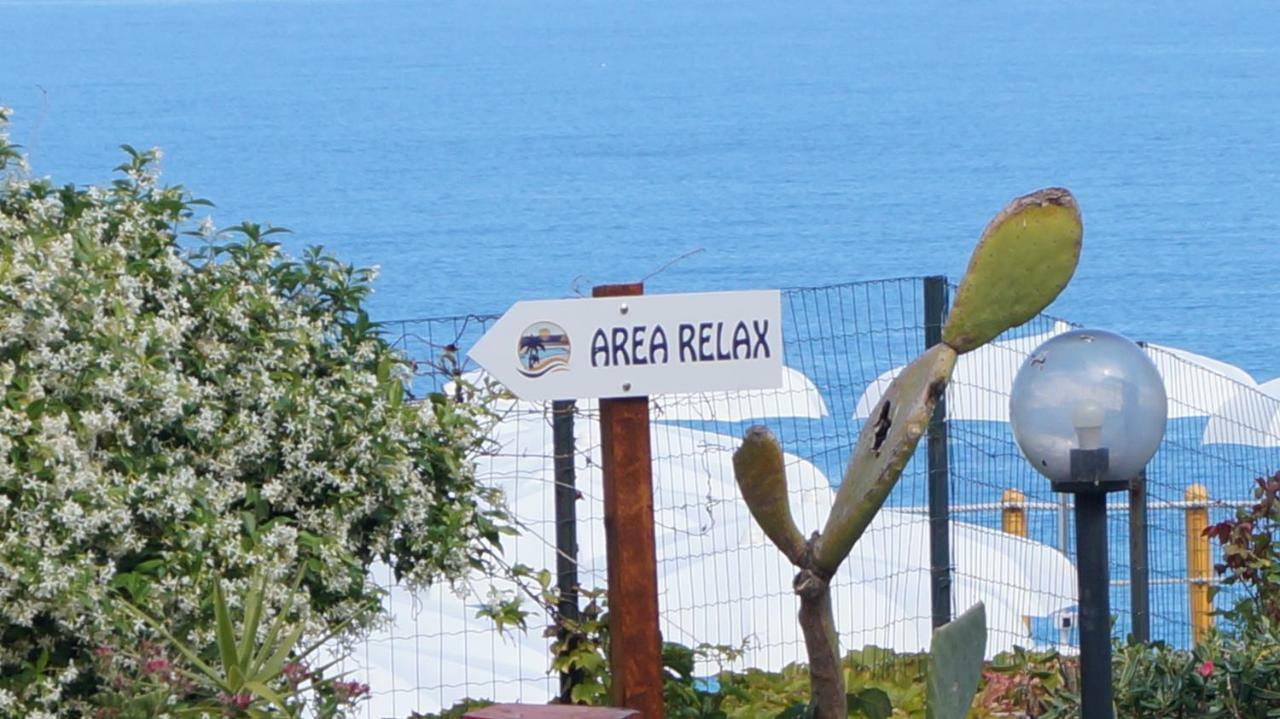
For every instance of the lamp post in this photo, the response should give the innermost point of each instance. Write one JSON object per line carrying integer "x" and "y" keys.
{"x": 1088, "y": 410}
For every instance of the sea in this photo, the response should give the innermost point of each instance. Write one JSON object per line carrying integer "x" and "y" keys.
{"x": 487, "y": 151}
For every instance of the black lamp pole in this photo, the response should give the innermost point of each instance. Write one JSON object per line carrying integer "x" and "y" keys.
{"x": 1090, "y": 487}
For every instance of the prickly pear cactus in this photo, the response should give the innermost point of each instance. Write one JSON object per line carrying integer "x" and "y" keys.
{"x": 1025, "y": 257}
{"x": 757, "y": 465}
{"x": 885, "y": 445}
{"x": 955, "y": 663}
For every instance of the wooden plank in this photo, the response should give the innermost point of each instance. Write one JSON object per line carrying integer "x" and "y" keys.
{"x": 626, "y": 458}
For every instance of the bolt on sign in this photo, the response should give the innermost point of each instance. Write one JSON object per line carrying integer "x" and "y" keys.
{"x": 636, "y": 346}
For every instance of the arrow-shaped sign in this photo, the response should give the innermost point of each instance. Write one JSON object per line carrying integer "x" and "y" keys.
{"x": 636, "y": 346}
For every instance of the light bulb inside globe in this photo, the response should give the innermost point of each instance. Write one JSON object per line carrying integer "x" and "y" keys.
{"x": 1088, "y": 390}
{"x": 1087, "y": 418}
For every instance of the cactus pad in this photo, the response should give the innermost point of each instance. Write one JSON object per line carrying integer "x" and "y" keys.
{"x": 1025, "y": 257}
{"x": 884, "y": 446}
{"x": 955, "y": 663}
{"x": 758, "y": 467}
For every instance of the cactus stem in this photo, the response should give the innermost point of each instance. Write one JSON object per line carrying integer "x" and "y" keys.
{"x": 817, "y": 621}
{"x": 1026, "y": 256}
{"x": 882, "y": 451}
{"x": 760, "y": 471}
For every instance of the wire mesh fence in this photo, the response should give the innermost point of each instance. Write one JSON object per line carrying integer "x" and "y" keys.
{"x": 721, "y": 582}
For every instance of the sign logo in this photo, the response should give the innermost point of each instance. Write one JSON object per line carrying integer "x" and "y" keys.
{"x": 543, "y": 349}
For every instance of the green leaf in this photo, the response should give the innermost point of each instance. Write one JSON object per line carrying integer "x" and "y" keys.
{"x": 955, "y": 663}
{"x": 191, "y": 655}
{"x": 150, "y": 566}
{"x": 679, "y": 659}
{"x": 871, "y": 703}
{"x": 268, "y": 694}
{"x": 278, "y": 624}
{"x": 585, "y": 693}
{"x": 226, "y": 638}
{"x": 252, "y": 617}
{"x": 798, "y": 711}
{"x": 274, "y": 663}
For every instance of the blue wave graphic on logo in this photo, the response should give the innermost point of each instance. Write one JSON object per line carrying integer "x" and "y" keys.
{"x": 546, "y": 366}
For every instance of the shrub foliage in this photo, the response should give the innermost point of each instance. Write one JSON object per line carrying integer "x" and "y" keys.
{"x": 180, "y": 404}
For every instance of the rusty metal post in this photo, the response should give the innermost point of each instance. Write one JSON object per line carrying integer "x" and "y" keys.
{"x": 635, "y": 646}
{"x": 1197, "y": 497}
{"x": 1013, "y": 520}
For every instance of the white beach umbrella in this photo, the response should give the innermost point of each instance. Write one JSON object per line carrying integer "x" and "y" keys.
{"x": 1197, "y": 385}
{"x": 436, "y": 652}
{"x": 460, "y": 655}
{"x": 720, "y": 581}
{"x": 798, "y": 397}
{"x": 437, "y": 642}
{"x": 881, "y": 593}
{"x": 979, "y": 390}
{"x": 1250, "y": 417}
{"x": 979, "y": 387}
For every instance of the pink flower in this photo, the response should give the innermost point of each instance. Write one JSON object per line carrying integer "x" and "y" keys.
{"x": 349, "y": 691}
{"x": 294, "y": 672}
{"x": 1205, "y": 670}
{"x": 236, "y": 701}
{"x": 159, "y": 665}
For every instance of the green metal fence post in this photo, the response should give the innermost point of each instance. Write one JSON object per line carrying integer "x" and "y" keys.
{"x": 935, "y": 312}
{"x": 566, "y": 494}
{"x": 1139, "y": 571}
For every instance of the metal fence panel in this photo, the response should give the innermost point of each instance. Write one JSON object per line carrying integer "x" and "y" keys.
{"x": 844, "y": 339}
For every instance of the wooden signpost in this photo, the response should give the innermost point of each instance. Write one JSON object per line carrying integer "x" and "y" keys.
{"x": 622, "y": 346}
{"x": 634, "y": 641}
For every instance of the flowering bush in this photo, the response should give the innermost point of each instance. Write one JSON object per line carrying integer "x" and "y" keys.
{"x": 180, "y": 403}
{"x": 261, "y": 670}
{"x": 1019, "y": 682}
{"x": 150, "y": 683}
{"x": 1251, "y": 559}
{"x": 1233, "y": 677}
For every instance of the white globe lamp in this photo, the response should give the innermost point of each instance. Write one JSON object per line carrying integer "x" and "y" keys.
{"x": 1088, "y": 410}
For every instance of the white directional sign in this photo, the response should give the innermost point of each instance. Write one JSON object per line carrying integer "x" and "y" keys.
{"x": 637, "y": 345}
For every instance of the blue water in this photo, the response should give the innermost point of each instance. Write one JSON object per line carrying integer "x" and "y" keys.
{"x": 482, "y": 153}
